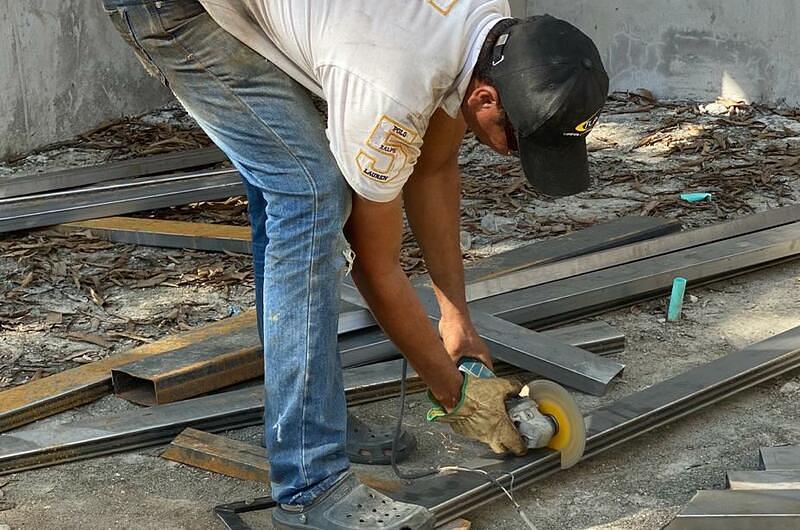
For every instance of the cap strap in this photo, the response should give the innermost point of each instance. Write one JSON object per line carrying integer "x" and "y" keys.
{"x": 497, "y": 51}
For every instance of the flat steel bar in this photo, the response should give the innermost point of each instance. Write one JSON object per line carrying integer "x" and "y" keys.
{"x": 219, "y": 454}
{"x": 526, "y": 349}
{"x": 31, "y": 448}
{"x": 104, "y": 203}
{"x": 588, "y": 293}
{"x": 785, "y": 479}
{"x": 453, "y": 495}
{"x": 62, "y": 391}
{"x": 740, "y": 510}
{"x": 514, "y": 280}
{"x": 774, "y": 458}
{"x": 168, "y": 234}
{"x": 27, "y": 184}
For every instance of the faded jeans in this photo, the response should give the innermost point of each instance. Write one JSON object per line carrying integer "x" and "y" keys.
{"x": 269, "y": 128}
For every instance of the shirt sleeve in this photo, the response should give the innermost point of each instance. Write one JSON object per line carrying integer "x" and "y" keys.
{"x": 376, "y": 140}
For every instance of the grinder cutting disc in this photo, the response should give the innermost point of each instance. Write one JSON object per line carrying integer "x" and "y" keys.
{"x": 553, "y": 400}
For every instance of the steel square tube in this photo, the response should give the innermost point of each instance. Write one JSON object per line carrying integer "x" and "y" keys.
{"x": 781, "y": 479}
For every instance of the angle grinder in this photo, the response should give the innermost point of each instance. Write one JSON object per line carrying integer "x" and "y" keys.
{"x": 544, "y": 413}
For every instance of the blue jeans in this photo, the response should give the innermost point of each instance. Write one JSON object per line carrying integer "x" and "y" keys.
{"x": 268, "y": 126}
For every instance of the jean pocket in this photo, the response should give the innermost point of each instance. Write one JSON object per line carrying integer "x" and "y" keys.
{"x": 175, "y": 14}
{"x": 122, "y": 22}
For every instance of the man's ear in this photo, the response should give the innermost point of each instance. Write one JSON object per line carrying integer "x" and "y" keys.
{"x": 483, "y": 97}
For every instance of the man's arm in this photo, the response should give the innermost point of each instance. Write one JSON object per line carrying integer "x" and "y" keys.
{"x": 432, "y": 203}
{"x": 374, "y": 231}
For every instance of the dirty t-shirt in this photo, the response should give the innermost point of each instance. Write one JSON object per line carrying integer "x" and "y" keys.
{"x": 383, "y": 66}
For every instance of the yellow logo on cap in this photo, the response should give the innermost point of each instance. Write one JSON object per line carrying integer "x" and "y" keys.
{"x": 586, "y": 126}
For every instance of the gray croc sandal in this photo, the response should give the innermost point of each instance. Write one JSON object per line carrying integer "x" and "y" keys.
{"x": 373, "y": 444}
{"x": 367, "y": 444}
{"x": 349, "y": 505}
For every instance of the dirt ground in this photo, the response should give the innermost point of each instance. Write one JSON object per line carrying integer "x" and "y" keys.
{"x": 71, "y": 299}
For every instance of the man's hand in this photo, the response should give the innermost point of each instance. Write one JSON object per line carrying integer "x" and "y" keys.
{"x": 462, "y": 340}
{"x": 481, "y": 414}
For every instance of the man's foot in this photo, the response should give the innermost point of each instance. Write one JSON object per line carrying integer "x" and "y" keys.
{"x": 371, "y": 444}
{"x": 349, "y": 504}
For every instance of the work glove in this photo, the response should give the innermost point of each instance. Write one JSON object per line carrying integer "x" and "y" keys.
{"x": 481, "y": 413}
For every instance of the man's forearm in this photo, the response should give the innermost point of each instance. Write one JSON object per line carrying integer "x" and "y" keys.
{"x": 398, "y": 310}
{"x": 432, "y": 204}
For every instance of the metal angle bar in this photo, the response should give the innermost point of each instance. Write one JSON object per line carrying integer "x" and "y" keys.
{"x": 587, "y": 293}
{"x": 18, "y": 185}
{"x": 32, "y": 448}
{"x": 526, "y": 349}
{"x": 624, "y": 419}
{"x": 774, "y": 458}
{"x": 785, "y": 479}
{"x": 632, "y": 253}
{"x": 451, "y": 496}
{"x": 47, "y": 212}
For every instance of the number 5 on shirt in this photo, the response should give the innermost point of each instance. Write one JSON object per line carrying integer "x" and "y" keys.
{"x": 390, "y": 147}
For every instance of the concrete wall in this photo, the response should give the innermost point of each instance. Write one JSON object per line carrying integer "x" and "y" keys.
{"x": 700, "y": 49}
{"x": 63, "y": 70}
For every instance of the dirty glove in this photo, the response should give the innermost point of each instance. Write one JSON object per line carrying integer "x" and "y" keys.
{"x": 481, "y": 413}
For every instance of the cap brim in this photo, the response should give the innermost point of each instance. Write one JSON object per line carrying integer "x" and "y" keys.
{"x": 556, "y": 169}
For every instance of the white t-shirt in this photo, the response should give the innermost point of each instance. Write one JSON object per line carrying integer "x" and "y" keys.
{"x": 383, "y": 66}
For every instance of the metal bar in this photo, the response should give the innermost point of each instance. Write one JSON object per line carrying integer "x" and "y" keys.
{"x": 787, "y": 479}
{"x": 453, "y": 495}
{"x": 18, "y": 185}
{"x": 28, "y": 449}
{"x": 740, "y": 510}
{"x": 237, "y": 356}
{"x": 586, "y": 294}
{"x": 778, "y": 458}
{"x": 169, "y": 234}
{"x": 104, "y": 203}
{"x": 622, "y": 420}
{"x": 526, "y": 349}
{"x": 71, "y": 388}
{"x": 219, "y": 454}
{"x": 631, "y": 253}
{"x": 566, "y": 300}
{"x": 596, "y": 238}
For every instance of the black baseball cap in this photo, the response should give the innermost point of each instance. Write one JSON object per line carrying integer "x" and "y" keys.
{"x": 552, "y": 86}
